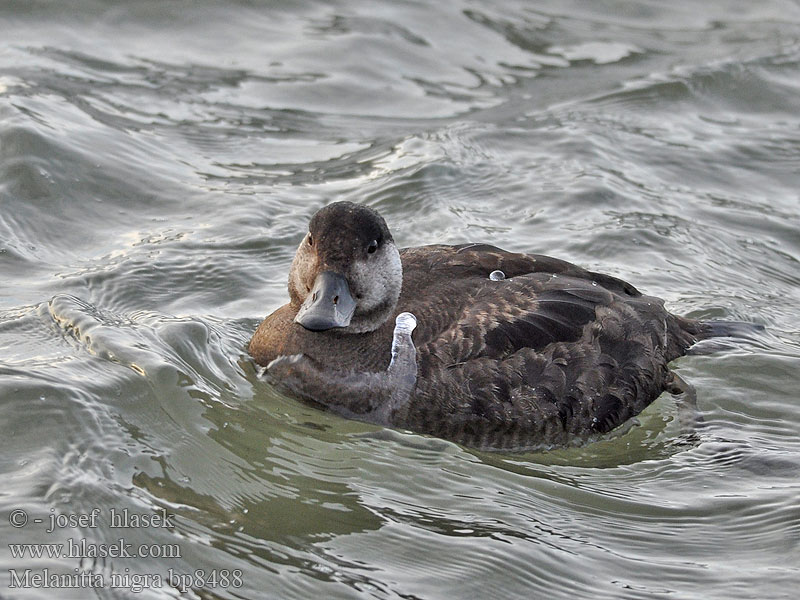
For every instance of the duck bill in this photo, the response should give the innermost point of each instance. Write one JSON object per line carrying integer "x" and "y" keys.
{"x": 328, "y": 305}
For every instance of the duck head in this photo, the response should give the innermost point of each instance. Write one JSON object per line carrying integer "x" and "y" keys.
{"x": 347, "y": 272}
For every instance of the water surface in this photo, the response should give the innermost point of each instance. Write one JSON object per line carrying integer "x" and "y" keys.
{"x": 159, "y": 162}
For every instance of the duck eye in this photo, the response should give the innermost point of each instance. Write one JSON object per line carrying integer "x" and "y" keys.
{"x": 310, "y": 240}
{"x": 372, "y": 246}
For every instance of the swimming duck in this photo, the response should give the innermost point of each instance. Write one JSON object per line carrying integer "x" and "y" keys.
{"x": 487, "y": 348}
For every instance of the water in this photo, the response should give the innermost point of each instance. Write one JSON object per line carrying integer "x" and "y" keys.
{"x": 158, "y": 164}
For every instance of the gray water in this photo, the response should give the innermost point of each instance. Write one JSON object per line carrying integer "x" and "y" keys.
{"x": 159, "y": 161}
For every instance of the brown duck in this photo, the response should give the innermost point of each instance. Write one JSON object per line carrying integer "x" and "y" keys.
{"x": 509, "y": 351}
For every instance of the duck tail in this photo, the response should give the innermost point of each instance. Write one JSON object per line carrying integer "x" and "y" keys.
{"x": 731, "y": 329}
{"x": 723, "y": 335}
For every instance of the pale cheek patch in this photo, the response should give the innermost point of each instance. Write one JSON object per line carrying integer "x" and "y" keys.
{"x": 377, "y": 281}
{"x": 369, "y": 286}
{"x": 304, "y": 263}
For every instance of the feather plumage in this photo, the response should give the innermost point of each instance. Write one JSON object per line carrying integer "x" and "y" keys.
{"x": 551, "y": 353}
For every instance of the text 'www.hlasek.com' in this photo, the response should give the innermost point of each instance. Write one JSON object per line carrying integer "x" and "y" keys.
{"x": 95, "y": 554}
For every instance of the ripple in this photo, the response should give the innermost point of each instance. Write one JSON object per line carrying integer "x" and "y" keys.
{"x": 600, "y": 53}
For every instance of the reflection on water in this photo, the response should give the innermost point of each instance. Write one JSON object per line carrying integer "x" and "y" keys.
{"x": 158, "y": 165}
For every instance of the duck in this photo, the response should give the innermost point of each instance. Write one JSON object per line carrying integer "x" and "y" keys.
{"x": 487, "y": 348}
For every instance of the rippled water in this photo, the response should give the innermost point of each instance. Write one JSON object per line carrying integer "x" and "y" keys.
{"x": 158, "y": 164}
